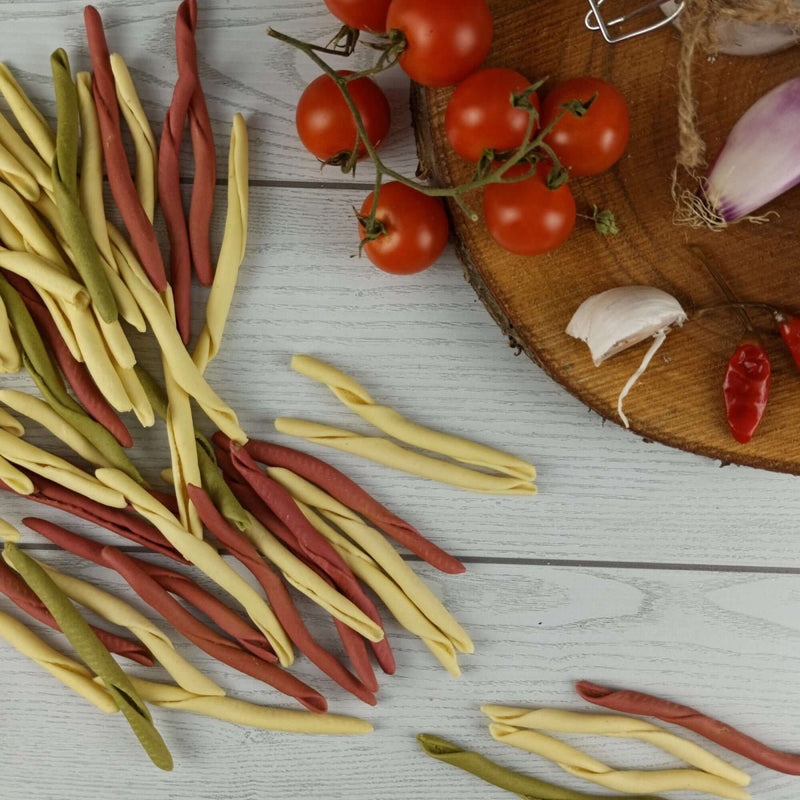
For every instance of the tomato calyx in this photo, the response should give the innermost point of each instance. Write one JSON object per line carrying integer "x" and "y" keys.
{"x": 579, "y": 108}
{"x": 523, "y": 99}
{"x": 372, "y": 227}
{"x": 556, "y": 177}
{"x": 346, "y": 160}
{"x": 391, "y": 45}
{"x": 343, "y": 42}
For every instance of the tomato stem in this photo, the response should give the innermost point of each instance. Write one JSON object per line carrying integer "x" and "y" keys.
{"x": 530, "y": 149}
{"x": 371, "y": 223}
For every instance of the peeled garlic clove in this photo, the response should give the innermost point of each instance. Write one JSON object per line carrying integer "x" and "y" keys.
{"x": 619, "y": 318}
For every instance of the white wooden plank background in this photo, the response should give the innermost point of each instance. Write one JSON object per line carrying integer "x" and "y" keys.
{"x": 637, "y": 565}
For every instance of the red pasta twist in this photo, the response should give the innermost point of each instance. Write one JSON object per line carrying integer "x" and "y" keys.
{"x": 206, "y": 638}
{"x": 355, "y": 645}
{"x": 312, "y": 543}
{"x": 16, "y": 590}
{"x": 143, "y": 236}
{"x": 173, "y": 582}
{"x": 205, "y": 154}
{"x": 648, "y": 705}
{"x": 171, "y": 202}
{"x": 346, "y": 491}
{"x": 277, "y": 594}
{"x": 225, "y": 618}
{"x": 114, "y": 519}
{"x": 189, "y": 242}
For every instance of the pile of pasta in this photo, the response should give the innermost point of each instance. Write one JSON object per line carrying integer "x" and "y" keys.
{"x": 71, "y": 285}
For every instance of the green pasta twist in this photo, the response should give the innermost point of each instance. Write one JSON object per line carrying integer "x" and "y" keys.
{"x": 219, "y": 491}
{"x": 523, "y": 786}
{"x": 156, "y": 393}
{"x": 31, "y": 343}
{"x": 93, "y": 653}
{"x": 91, "y": 430}
{"x": 65, "y": 186}
{"x": 48, "y": 380}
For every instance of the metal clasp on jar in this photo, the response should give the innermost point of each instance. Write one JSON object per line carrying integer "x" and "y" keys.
{"x": 595, "y": 20}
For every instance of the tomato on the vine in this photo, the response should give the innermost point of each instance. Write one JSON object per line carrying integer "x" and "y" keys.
{"x": 415, "y": 229}
{"x": 365, "y": 15}
{"x": 325, "y": 124}
{"x": 480, "y": 115}
{"x": 591, "y": 143}
{"x": 445, "y": 40}
{"x": 527, "y": 217}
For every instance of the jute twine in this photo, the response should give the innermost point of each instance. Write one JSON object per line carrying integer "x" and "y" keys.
{"x": 698, "y": 23}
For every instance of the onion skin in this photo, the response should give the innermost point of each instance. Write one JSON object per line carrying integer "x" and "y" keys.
{"x": 760, "y": 159}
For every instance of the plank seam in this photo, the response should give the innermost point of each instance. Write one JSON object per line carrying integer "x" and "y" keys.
{"x": 535, "y": 562}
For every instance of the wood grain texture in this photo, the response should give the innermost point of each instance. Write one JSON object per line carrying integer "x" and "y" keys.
{"x": 695, "y": 637}
{"x": 679, "y": 401}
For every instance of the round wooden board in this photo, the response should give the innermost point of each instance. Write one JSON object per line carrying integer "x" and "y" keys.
{"x": 678, "y": 401}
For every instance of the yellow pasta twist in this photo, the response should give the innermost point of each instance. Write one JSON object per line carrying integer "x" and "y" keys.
{"x": 375, "y": 545}
{"x": 231, "y": 254}
{"x": 551, "y": 719}
{"x": 240, "y": 712}
{"x": 69, "y": 672}
{"x": 10, "y": 358}
{"x": 33, "y": 408}
{"x": 29, "y": 117}
{"x": 144, "y": 143}
{"x": 182, "y": 442}
{"x": 578, "y": 763}
{"x": 393, "y": 597}
{"x": 386, "y": 419}
{"x": 26, "y": 156}
{"x": 33, "y": 458}
{"x": 386, "y": 452}
{"x": 44, "y": 275}
{"x": 16, "y": 176}
{"x": 186, "y": 374}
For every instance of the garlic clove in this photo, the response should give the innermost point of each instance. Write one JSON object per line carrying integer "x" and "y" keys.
{"x": 619, "y": 318}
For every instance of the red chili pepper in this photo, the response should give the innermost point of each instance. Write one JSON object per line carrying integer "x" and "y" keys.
{"x": 789, "y": 328}
{"x": 746, "y": 389}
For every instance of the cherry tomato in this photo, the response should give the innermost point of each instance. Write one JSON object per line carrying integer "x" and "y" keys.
{"x": 325, "y": 124}
{"x": 446, "y": 40}
{"x": 480, "y": 116}
{"x": 365, "y": 15}
{"x": 416, "y": 229}
{"x": 592, "y": 143}
{"x": 526, "y": 217}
